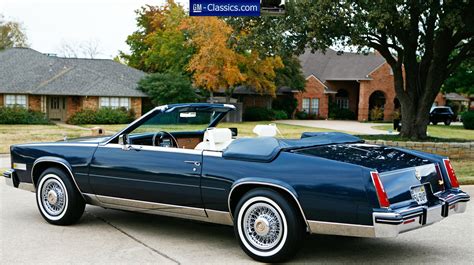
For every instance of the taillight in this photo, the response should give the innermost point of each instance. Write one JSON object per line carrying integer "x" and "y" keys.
{"x": 451, "y": 173}
{"x": 381, "y": 194}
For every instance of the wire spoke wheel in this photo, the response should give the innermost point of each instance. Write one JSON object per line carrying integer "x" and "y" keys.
{"x": 262, "y": 225}
{"x": 53, "y": 197}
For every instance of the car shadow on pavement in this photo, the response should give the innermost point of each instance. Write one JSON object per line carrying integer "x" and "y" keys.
{"x": 165, "y": 233}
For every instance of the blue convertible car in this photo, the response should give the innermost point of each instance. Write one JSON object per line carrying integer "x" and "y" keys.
{"x": 176, "y": 161}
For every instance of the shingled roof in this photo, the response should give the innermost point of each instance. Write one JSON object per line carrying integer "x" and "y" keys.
{"x": 26, "y": 71}
{"x": 334, "y": 66}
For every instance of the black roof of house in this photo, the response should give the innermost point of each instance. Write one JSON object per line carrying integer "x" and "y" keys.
{"x": 26, "y": 71}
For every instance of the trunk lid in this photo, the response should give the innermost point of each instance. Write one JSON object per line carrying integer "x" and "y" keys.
{"x": 399, "y": 172}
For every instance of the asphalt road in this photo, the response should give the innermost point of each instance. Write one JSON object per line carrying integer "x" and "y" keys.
{"x": 117, "y": 237}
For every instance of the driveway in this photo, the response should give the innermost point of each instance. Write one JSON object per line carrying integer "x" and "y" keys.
{"x": 347, "y": 126}
{"x": 117, "y": 237}
{"x": 4, "y": 161}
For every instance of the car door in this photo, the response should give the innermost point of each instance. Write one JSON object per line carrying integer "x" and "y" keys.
{"x": 154, "y": 174}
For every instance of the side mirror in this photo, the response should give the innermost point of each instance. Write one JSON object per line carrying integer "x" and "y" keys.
{"x": 234, "y": 131}
{"x": 123, "y": 140}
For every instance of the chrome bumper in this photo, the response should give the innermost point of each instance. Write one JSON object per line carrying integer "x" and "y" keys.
{"x": 9, "y": 176}
{"x": 11, "y": 179}
{"x": 390, "y": 224}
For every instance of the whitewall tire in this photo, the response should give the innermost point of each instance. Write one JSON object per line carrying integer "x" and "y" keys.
{"x": 268, "y": 227}
{"x": 58, "y": 200}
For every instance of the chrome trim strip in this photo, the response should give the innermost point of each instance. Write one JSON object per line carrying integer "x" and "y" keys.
{"x": 27, "y": 186}
{"x": 199, "y": 214}
{"x": 219, "y": 217}
{"x": 151, "y": 206}
{"x": 41, "y": 160}
{"x": 212, "y": 153}
{"x": 272, "y": 185}
{"x": 341, "y": 229}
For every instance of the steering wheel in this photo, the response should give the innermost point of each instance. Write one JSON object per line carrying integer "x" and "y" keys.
{"x": 174, "y": 142}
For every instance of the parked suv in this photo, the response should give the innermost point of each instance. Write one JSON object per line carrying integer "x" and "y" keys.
{"x": 441, "y": 114}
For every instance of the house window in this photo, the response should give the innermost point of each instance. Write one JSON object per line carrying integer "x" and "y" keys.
{"x": 315, "y": 106}
{"x": 306, "y": 105}
{"x": 15, "y": 100}
{"x": 342, "y": 103}
{"x": 115, "y": 102}
{"x": 342, "y": 99}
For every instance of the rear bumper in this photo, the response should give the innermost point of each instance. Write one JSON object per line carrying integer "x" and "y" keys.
{"x": 390, "y": 224}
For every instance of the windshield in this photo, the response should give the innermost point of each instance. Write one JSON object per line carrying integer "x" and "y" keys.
{"x": 178, "y": 120}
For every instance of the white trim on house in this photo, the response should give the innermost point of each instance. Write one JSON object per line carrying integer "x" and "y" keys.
{"x": 120, "y": 105}
{"x": 376, "y": 68}
{"x": 317, "y": 79}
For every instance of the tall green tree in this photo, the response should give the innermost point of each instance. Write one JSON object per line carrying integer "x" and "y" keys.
{"x": 167, "y": 88}
{"x": 11, "y": 34}
{"x": 158, "y": 45}
{"x": 462, "y": 80}
{"x": 416, "y": 38}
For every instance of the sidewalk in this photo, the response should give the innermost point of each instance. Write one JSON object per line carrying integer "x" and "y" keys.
{"x": 5, "y": 161}
{"x": 347, "y": 126}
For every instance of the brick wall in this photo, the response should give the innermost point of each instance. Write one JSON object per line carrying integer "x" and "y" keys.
{"x": 452, "y": 150}
{"x": 2, "y": 96}
{"x": 34, "y": 102}
{"x": 440, "y": 100}
{"x": 136, "y": 105}
{"x": 314, "y": 89}
{"x": 73, "y": 105}
{"x": 352, "y": 88}
{"x": 382, "y": 80}
{"x": 90, "y": 103}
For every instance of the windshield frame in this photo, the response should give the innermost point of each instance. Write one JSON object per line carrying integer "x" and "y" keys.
{"x": 225, "y": 108}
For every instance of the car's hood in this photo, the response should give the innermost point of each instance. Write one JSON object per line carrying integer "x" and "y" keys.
{"x": 87, "y": 139}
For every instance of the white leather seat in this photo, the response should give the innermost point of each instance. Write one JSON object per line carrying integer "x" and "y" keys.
{"x": 269, "y": 130}
{"x": 215, "y": 139}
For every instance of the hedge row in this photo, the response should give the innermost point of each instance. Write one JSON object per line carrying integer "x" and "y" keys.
{"x": 20, "y": 115}
{"x": 102, "y": 116}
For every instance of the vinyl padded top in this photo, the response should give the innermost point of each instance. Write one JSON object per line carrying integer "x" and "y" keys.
{"x": 265, "y": 149}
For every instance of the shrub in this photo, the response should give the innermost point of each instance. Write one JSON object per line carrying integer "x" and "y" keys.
{"x": 376, "y": 114}
{"x": 258, "y": 114}
{"x": 337, "y": 113}
{"x": 20, "y": 115}
{"x": 287, "y": 104}
{"x": 301, "y": 115}
{"x": 468, "y": 120}
{"x": 280, "y": 114}
{"x": 102, "y": 116}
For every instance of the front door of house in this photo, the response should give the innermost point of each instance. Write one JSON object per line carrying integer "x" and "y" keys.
{"x": 57, "y": 108}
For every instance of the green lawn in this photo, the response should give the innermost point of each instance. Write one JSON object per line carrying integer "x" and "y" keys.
{"x": 16, "y": 134}
{"x": 437, "y": 132}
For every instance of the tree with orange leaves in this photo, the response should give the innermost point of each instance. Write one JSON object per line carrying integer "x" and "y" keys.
{"x": 217, "y": 66}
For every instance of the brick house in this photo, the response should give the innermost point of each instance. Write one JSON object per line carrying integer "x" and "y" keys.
{"x": 59, "y": 87}
{"x": 354, "y": 81}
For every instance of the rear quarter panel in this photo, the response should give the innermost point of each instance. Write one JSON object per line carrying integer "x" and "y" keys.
{"x": 327, "y": 190}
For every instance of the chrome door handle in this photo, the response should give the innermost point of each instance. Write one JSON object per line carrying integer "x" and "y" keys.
{"x": 196, "y": 163}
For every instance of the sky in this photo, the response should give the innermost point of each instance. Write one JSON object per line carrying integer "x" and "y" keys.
{"x": 49, "y": 24}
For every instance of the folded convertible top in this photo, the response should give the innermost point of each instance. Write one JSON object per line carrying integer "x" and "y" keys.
{"x": 265, "y": 149}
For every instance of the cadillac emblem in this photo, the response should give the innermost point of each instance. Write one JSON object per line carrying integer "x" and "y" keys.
{"x": 417, "y": 174}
